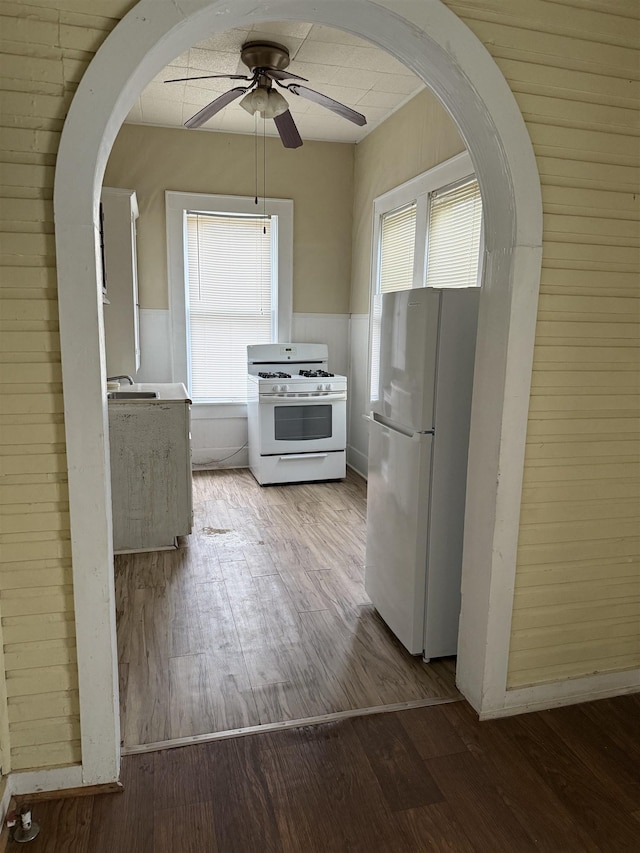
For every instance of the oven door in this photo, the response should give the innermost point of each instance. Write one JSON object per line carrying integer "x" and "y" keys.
{"x": 302, "y": 424}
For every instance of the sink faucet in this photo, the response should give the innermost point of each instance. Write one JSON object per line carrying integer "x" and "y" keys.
{"x": 122, "y": 376}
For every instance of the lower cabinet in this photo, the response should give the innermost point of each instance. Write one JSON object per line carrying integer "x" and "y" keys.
{"x": 150, "y": 474}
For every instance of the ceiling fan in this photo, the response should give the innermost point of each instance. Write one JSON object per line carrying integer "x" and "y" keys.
{"x": 267, "y": 62}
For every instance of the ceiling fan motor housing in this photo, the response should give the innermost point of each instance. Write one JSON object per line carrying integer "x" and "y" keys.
{"x": 265, "y": 54}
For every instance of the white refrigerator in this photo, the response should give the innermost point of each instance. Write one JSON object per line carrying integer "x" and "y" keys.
{"x": 422, "y": 359}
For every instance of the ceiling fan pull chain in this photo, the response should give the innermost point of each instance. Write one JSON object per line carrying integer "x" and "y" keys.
{"x": 255, "y": 146}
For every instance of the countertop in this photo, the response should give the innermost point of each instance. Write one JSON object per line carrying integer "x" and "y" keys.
{"x": 168, "y": 392}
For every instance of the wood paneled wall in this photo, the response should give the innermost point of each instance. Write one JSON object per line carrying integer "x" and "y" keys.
{"x": 45, "y": 49}
{"x": 574, "y": 68}
{"x": 571, "y": 66}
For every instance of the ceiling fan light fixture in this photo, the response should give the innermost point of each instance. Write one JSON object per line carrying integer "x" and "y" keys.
{"x": 276, "y": 105}
{"x": 254, "y": 101}
{"x": 265, "y": 101}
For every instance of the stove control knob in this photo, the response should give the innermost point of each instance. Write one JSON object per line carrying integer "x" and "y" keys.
{"x": 320, "y": 387}
{"x": 284, "y": 387}
{"x": 327, "y": 387}
{"x": 275, "y": 388}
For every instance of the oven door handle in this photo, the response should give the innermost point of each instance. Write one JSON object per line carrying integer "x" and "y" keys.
{"x": 298, "y": 401}
{"x": 303, "y": 456}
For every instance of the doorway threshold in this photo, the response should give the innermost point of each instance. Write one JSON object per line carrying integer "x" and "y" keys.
{"x": 285, "y": 724}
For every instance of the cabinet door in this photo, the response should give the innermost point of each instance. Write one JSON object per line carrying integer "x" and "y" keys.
{"x": 150, "y": 474}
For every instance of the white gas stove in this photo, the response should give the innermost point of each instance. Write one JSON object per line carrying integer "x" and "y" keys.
{"x": 297, "y": 413}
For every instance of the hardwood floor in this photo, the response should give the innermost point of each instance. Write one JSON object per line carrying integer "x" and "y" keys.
{"x": 426, "y": 779}
{"x": 260, "y": 616}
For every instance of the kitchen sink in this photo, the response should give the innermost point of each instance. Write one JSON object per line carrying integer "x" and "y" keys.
{"x": 132, "y": 395}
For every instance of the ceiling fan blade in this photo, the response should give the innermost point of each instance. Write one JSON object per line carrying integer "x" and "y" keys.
{"x": 329, "y": 103}
{"x": 209, "y": 77}
{"x": 288, "y": 131}
{"x": 214, "y": 107}
{"x": 284, "y": 75}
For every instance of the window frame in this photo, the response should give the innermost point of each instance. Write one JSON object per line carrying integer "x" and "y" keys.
{"x": 178, "y": 204}
{"x": 418, "y": 189}
{"x": 216, "y": 316}
{"x": 445, "y": 175}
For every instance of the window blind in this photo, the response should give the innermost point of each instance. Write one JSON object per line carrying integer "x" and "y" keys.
{"x": 229, "y": 272}
{"x": 453, "y": 237}
{"x": 397, "y": 245}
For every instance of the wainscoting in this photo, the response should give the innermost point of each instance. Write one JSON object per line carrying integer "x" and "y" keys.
{"x": 219, "y": 432}
{"x": 357, "y": 450}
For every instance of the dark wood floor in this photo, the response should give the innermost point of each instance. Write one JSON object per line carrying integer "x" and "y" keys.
{"x": 427, "y": 779}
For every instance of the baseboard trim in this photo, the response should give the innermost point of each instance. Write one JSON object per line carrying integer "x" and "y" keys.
{"x": 6, "y": 805}
{"x": 356, "y": 472}
{"x": 4, "y": 835}
{"x": 65, "y": 793}
{"x": 5, "y": 795}
{"x": 50, "y": 779}
{"x": 215, "y": 458}
{"x": 358, "y": 461}
{"x": 285, "y": 724}
{"x": 571, "y": 692}
{"x": 32, "y": 786}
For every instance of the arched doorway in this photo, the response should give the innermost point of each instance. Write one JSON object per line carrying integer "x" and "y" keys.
{"x": 437, "y": 46}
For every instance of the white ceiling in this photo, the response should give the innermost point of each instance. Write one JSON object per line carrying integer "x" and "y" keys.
{"x": 344, "y": 67}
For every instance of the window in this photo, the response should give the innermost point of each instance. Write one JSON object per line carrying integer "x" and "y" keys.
{"x": 230, "y": 277}
{"x": 453, "y": 236}
{"x": 427, "y": 233}
{"x": 232, "y": 301}
{"x": 397, "y": 248}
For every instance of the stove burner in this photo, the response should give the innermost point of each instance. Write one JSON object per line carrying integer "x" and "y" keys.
{"x": 278, "y": 375}
{"x": 312, "y": 374}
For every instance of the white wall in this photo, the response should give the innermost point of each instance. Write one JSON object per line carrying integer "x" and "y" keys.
{"x": 219, "y": 431}
{"x": 155, "y": 346}
{"x": 318, "y": 178}
{"x": 358, "y": 434}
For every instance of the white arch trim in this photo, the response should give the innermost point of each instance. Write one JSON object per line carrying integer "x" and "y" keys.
{"x": 433, "y": 42}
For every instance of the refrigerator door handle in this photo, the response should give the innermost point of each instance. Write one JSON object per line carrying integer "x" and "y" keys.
{"x": 375, "y": 418}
